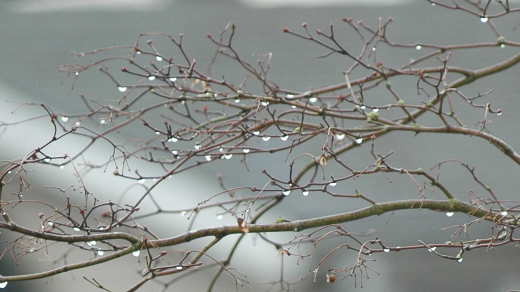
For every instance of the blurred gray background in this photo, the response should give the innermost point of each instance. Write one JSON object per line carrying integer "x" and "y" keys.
{"x": 38, "y": 36}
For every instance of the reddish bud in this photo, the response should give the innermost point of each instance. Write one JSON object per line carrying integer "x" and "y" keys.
{"x": 208, "y": 35}
{"x": 106, "y": 214}
{"x": 373, "y": 136}
{"x": 341, "y": 96}
{"x": 40, "y": 215}
{"x": 318, "y": 31}
{"x": 163, "y": 253}
{"x": 331, "y": 278}
{"x": 304, "y": 24}
{"x": 82, "y": 211}
{"x": 205, "y": 108}
{"x": 149, "y": 42}
{"x": 145, "y": 124}
{"x": 285, "y": 29}
{"x": 123, "y": 69}
{"x": 379, "y": 64}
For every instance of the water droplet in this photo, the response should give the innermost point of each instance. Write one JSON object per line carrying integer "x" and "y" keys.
{"x": 418, "y": 47}
{"x": 375, "y": 110}
{"x": 157, "y": 133}
{"x": 178, "y": 268}
{"x": 220, "y": 216}
{"x": 77, "y": 73}
{"x": 503, "y": 213}
{"x": 122, "y": 88}
{"x": 183, "y": 213}
{"x": 256, "y": 133}
{"x": 373, "y": 49}
{"x": 151, "y": 77}
{"x": 433, "y": 4}
{"x": 91, "y": 243}
{"x": 290, "y": 95}
{"x": 173, "y": 140}
{"x": 173, "y": 79}
{"x": 484, "y": 19}
{"x": 138, "y": 52}
{"x": 228, "y": 156}
{"x": 305, "y": 192}
{"x": 313, "y": 99}
{"x": 237, "y": 100}
{"x": 266, "y": 138}
{"x": 141, "y": 181}
{"x": 47, "y": 160}
{"x": 293, "y": 106}
{"x": 459, "y": 260}
{"x": 221, "y": 149}
{"x": 62, "y": 166}
{"x": 286, "y": 192}
{"x": 363, "y": 107}
{"x": 499, "y": 113}
{"x": 103, "y": 121}
{"x": 284, "y": 137}
{"x": 2, "y": 285}
{"x": 100, "y": 252}
{"x": 76, "y": 229}
{"x": 50, "y": 223}
{"x": 136, "y": 253}
{"x": 502, "y": 46}
{"x": 359, "y": 140}
{"x": 432, "y": 249}
{"x": 386, "y": 250}
{"x": 64, "y": 119}
{"x": 77, "y": 124}
{"x": 158, "y": 58}
{"x": 449, "y": 214}
{"x": 208, "y": 157}
{"x": 175, "y": 152}
{"x": 198, "y": 146}
{"x": 265, "y": 103}
{"x": 333, "y": 183}
{"x": 340, "y": 136}
{"x": 246, "y": 150}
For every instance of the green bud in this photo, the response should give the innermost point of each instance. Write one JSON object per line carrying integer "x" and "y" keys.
{"x": 388, "y": 84}
{"x": 240, "y": 92}
{"x": 372, "y": 116}
{"x": 400, "y": 102}
{"x": 501, "y": 40}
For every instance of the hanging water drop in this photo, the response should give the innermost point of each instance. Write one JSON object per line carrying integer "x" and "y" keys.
{"x": 264, "y": 103}
{"x": 290, "y": 96}
{"x": 313, "y": 99}
{"x": 305, "y": 192}
{"x": 359, "y": 140}
{"x": 173, "y": 79}
{"x": 158, "y": 58}
{"x": 286, "y": 192}
{"x": 363, "y": 107}
{"x": 62, "y": 166}
{"x": 432, "y": 249}
{"x": 151, "y": 77}
{"x": 418, "y": 47}
{"x": 122, "y": 88}
{"x": 502, "y": 46}
{"x": 284, "y": 137}
{"x": 433, "y": 4}
{"x": 141, "y": 181}
{"x": 64, "y": 119}
{"x": 459, "y": 260}
{"x": 198, "y": 146}
{"x": 375, "y": 110}
{"x": 175, "y": 152}
{"x": 173, "y": 140}
{"x": 246, "y": 150}
{"x": 333, "y": 183}
{"x": 2, "y": 285}
{"x": 47, "y": 160}
{"x": 228, "y": 156}
{"x": 484, "y": 19}
{"x": 91, "y": 243}
{"x": 449, "y": 214}
{"x": 220, "y": 216}
{"x": 237, "y": 100}
{"x": 340, "y": 136}
{"x": 136, "y": 253}
{"x": 157, "y": 133}
{"x": 504, "y": 213}
{"x": 100, "y": 252}
{"x": 266, "y": 138}
{"x": 208, "y": 157}
{"x": 256, "y": 133}
{"x": 183, "y": 213}
{"x": 386, "y": 250}
{"x": 77, "y": 124}
{"x": 221, "y": 149}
